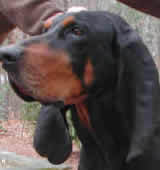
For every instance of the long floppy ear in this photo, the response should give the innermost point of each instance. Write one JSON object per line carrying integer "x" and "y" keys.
{"x": 51, "y": 138}
{"x": 139, "y": 76}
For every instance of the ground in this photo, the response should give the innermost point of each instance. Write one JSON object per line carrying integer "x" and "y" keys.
{"x": 15, "y": 134}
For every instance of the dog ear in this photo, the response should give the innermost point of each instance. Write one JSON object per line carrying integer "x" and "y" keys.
{"x": 138, "y": 79}
{"x": 51, "y": 138}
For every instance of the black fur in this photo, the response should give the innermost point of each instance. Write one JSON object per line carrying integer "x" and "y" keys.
{"x": 123, "y": 99}
{"x": 51, "y": 138}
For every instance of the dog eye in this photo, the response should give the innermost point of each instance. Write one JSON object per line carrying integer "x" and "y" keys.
{"x": 73, "y": 30}
{"x": 77, "y": 31}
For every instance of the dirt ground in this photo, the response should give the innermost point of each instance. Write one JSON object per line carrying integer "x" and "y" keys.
{"x": 16, "y": 136}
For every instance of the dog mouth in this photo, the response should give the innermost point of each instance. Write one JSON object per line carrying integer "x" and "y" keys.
{"x": 19, "y": 90}
{"x": 27, "y": 95}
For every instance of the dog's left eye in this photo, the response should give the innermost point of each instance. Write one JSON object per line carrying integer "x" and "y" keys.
{"x": 74, "y": 30}
{"x": 77, "y": 31}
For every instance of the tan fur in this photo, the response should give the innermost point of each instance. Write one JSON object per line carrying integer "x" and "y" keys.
{"x": 83, "y": 115}
{"x": 48, "y": 73}
{"x": 69, "y": 20}
{"x": 88, "y": 73}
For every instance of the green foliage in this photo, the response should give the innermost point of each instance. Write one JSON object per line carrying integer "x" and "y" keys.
{"x": 4, "y": 89}
{"x": 72, "y": 130}
{"x": 30, "y": 111}
{"x": 2, "y": 129}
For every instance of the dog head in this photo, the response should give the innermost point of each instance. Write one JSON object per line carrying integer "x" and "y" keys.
{"x": 61, "y": 64}
{"x": 88, "y": 53}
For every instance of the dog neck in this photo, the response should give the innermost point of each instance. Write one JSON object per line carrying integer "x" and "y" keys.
{"x": 82, "y": 110}
{"x": 76, "y": 100}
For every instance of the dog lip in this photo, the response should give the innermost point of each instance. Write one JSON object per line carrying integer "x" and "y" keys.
{"x": 17, "y": 86}
{"x": 5, "y": 65}
{"x": 20, "y": 94}
{"x": 47, "y": 102}
{"x": 26, "y": 94}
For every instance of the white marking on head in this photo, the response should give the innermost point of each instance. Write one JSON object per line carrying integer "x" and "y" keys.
{"x": 76, "y": 9}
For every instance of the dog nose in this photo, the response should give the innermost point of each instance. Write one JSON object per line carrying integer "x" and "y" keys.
{"x": 9, "y": 54}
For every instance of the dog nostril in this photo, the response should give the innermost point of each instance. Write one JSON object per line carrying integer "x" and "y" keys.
{"x": 9, "y": 58}
{"x": 10, "y": 54}
{"x": 6, "y": 57}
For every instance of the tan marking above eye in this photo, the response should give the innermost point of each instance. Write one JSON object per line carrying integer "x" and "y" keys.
{"x": 47, "y": 24}
{"x": 67, "y": 21}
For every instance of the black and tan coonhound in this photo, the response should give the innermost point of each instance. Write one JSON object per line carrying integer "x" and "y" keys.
{"x": 97, "y": 65}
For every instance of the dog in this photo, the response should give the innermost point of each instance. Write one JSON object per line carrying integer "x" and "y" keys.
{"x": 98, "y": 66}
